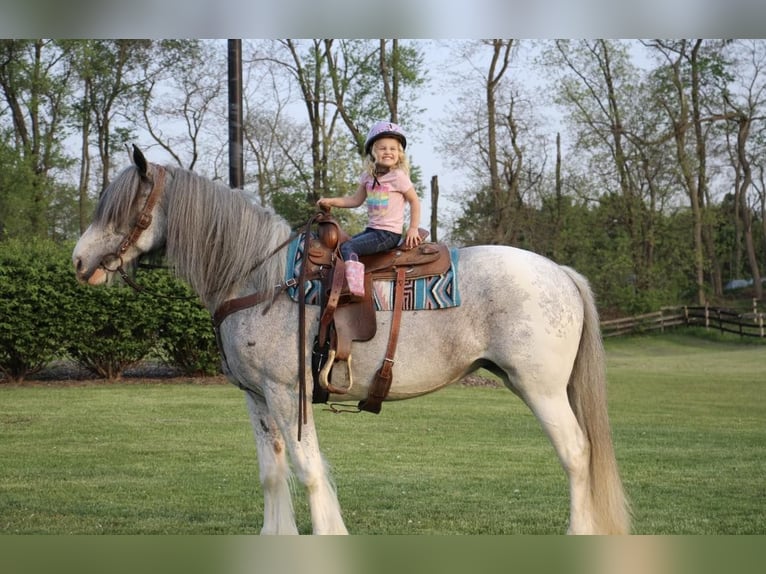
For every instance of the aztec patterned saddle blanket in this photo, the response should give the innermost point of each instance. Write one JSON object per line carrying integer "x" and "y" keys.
{"x": 433, "y": 292}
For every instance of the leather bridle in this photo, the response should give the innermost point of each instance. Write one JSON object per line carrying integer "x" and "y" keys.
{"x": 143, "y": 222}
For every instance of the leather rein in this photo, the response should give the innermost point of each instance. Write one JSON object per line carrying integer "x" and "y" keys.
{"x": 238, "y": 304}
{"x": 144, "y": 220}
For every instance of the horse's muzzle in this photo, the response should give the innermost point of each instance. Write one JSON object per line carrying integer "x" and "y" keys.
{"x": 97, "y": 277}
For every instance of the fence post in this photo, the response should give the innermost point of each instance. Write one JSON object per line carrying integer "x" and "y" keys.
{"x": 720, "y": 323}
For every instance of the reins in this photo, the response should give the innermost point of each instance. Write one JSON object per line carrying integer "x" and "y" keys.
{"x": 113, "y": 262}
{"x": 237, "y": 304}
{"x": 233, "y": 305}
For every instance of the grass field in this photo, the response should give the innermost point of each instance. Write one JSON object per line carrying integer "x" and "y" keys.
{"x": 688, "y": 418}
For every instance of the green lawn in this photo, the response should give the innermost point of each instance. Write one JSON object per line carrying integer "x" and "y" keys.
{"x": 688, "y": 417}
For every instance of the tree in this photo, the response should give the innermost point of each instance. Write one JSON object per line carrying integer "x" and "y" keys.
{"x": 111, "y": 87}
{"x": 496, "y": 127}
{"x": 744, "y": 99}
{"x": 501, "y": 57}
{"x": 308, "y": 70}
{"x": 183, "y": 106}
{"x": 690, "y": 68}
{"x": 374, "y": 81}
{"x": 600, "y": 91}
{"x": 34, "y": 79}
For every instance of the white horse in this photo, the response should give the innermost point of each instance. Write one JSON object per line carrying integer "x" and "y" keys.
{"x": 530, "y": 321}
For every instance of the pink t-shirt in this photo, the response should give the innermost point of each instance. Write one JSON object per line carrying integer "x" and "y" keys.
{"x": 385, "y": 202}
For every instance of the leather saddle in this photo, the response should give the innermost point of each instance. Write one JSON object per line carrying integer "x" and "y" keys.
{"x": 345, "y": 318}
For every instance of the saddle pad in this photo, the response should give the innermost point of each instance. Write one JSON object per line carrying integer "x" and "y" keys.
{"x": 427, "y": 293}
{"x": 295, "y": 257}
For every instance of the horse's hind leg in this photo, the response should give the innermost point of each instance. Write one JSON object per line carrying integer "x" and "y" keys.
{"x": 278, "y": 515}
{"x": 573, "y": 450}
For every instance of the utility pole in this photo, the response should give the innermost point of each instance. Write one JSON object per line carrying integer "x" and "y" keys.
{"x": 236, "y": 165}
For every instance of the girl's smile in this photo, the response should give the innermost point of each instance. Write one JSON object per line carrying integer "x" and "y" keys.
{"x": 386, "y": 151}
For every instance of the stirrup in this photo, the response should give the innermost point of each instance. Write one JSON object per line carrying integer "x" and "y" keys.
{"x": 324, "y": 375}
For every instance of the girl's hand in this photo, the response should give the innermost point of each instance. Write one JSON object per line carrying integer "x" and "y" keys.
{"x": 324, "y": 203}
{"x": 412, "y": 239}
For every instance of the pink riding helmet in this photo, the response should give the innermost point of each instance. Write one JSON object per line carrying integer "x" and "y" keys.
{"x": 384, "y": 129}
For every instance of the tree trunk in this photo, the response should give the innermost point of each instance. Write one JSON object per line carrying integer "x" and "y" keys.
{"x": 747, "y": 216}
{"x": 82, "y": 197}
{"x": 501, "y": 53}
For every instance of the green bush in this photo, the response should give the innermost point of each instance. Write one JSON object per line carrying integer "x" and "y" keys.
{"x": 186, "y": 338}
{"x": 46, "y": 315}
{"x": 36, "y": 280}
{"x": 112, "y": 329}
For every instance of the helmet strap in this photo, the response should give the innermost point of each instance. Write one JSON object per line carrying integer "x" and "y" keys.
{"x": 379, "y": 170}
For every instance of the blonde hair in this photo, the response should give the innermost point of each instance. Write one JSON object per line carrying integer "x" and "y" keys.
{"x": 403, "y": 163}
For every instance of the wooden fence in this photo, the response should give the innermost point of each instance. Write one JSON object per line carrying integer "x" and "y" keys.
{"x": 724, "y": 320}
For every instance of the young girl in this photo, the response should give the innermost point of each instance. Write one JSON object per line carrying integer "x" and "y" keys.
{"x": 385, "y": 185}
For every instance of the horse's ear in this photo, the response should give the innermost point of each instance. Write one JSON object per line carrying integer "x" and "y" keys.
{"x": 140, "y": 161}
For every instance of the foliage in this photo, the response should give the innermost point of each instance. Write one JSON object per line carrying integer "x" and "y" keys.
{"x": 656, "y": 192}
{"x": 185, "y": 336}
{"x": 16, "y": 187}
{"x": 46, "y": 315}
{"x": 293, "y": 207}
{"x": 36, "y": 282}
{"x": 33, "y": 127}
{"x": 114, "y": 328}
{"x": 165, "y": 320}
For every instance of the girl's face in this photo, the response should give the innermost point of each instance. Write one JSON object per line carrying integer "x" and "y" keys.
{"x": 386, "y": 151}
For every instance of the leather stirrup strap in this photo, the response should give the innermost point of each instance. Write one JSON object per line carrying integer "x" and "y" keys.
{"x": 381, "y": 384}
{"x": 338, "y": 276}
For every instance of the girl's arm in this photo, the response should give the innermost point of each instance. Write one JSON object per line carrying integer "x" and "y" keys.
{"x": 349, "y": 201}
{"x": 412, "y": 237}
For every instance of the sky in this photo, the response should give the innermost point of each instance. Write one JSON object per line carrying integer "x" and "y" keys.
{"x": 439, "y": 100}
{"x": 442, "y": 94}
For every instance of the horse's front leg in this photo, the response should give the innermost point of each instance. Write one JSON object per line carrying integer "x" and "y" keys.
{"x": 308, "y": 464}
{"x": 278, "y": 514}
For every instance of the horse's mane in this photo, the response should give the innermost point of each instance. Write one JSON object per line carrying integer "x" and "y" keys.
{"x": 218, "y": 239}
{"x": 216, "y": 236}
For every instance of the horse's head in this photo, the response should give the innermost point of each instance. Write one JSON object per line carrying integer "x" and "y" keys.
{"x": 128, "y": 222}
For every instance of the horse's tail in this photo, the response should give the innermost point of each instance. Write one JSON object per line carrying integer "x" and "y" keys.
{"x": 587, "y": 397}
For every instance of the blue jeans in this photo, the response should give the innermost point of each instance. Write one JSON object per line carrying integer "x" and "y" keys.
{"x": 370, "y": 241}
